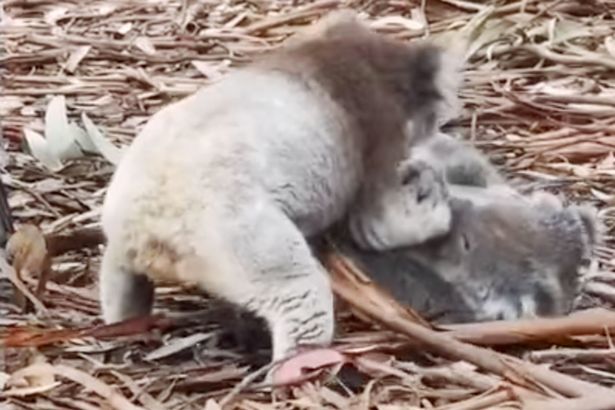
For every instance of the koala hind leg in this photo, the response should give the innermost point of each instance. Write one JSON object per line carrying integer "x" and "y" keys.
{"x": 274, "y": 274}
{"x": 123, "y": 294}
{"x": 412, "y": 212}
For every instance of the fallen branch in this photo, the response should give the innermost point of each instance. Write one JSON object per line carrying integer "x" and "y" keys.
{"x": 539, "y": 330}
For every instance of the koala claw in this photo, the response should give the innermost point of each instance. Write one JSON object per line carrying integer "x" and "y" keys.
{"x": 409, "y": 214}
{"x": 426, "y": 181}
{"x": 425, "y": 186}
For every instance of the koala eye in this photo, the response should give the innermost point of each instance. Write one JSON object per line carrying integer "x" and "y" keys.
{"x": 465, "y": 242}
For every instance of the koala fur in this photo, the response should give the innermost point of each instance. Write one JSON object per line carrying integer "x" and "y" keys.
{"x": 506, "y": 255}
{"x": 221, "y": 189}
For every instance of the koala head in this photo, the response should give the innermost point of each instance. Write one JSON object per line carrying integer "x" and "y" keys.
{"x": 513, "y": 257}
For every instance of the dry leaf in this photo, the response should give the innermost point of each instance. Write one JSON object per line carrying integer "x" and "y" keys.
{"x": 609, "y": 44}
{"x": 9, "y": 103}
{"x": 211, "y": 404}
{"x": 109, "y": 151}
{"x": 83, "y": 139}
{"x": 43, "y": 378}
{"x": 125, "y": 28}
{"x": 57, "y": 131}
{"x": 75, "y": 58}
{"x": 54, "y": 14}
{"x": 565, "y": 30}
{"x": 208, "y": 69}
{"x": 177, "y": 345}
{"x": 38, "y": 147}
{"x": 28, "y": 248}
{"x": 113, "y": 397}
{"x": 144, "y": 44}
{"x": 4, "y": 378}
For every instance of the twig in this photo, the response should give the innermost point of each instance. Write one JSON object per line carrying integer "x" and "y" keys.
{"x": 592, "y": 402}
{"x": 249, "y": 379}
{"x": 585, "y": 322}
{"x": 576, "y": 355}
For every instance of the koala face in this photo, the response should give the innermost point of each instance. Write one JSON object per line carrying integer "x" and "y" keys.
{"x": 511, "y": 258}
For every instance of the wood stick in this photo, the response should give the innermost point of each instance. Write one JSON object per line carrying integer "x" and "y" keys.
{"x": 587, "y": 322}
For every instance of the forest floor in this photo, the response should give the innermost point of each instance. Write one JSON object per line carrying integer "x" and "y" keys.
{"x": 539, "y": 99}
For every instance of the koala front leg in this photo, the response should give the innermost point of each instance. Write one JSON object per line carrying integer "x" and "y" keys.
{"x": 406, "y": 213}
{"x": 275, "y": 275}
{"x": 123, "y": 294}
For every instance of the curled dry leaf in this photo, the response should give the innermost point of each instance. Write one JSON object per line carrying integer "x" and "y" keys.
{"x": 28, "y": 248}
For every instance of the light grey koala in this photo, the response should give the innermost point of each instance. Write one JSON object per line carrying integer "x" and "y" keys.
{"x": 506, "y": 255}
{"x": 222, "y": 188}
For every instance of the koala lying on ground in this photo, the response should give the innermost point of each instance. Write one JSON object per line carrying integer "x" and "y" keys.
{"x": 221, "y": 188}
{"x": 506, "y": 256}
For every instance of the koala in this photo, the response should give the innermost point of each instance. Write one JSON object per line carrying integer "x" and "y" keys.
{"x": 222, "y": 189}
{"x": 506, "y": 255}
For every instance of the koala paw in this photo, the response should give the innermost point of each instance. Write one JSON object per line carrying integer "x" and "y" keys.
{"x": 423, "y": 183}
{"x": 416, "y": 210}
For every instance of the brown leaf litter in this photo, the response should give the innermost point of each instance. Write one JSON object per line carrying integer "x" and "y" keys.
{"x": 539, "y": 99}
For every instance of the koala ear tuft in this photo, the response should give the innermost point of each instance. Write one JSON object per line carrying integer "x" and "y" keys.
{"x": 592, "y": 224}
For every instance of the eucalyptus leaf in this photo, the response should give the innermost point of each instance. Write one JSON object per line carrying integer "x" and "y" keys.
{"x": 39, "y": 148}
{"x": 57, "y": 131}
{"x": 565, "y": 30}
{"x": 83, "y": 139}
{"x": 111, "y": 153}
